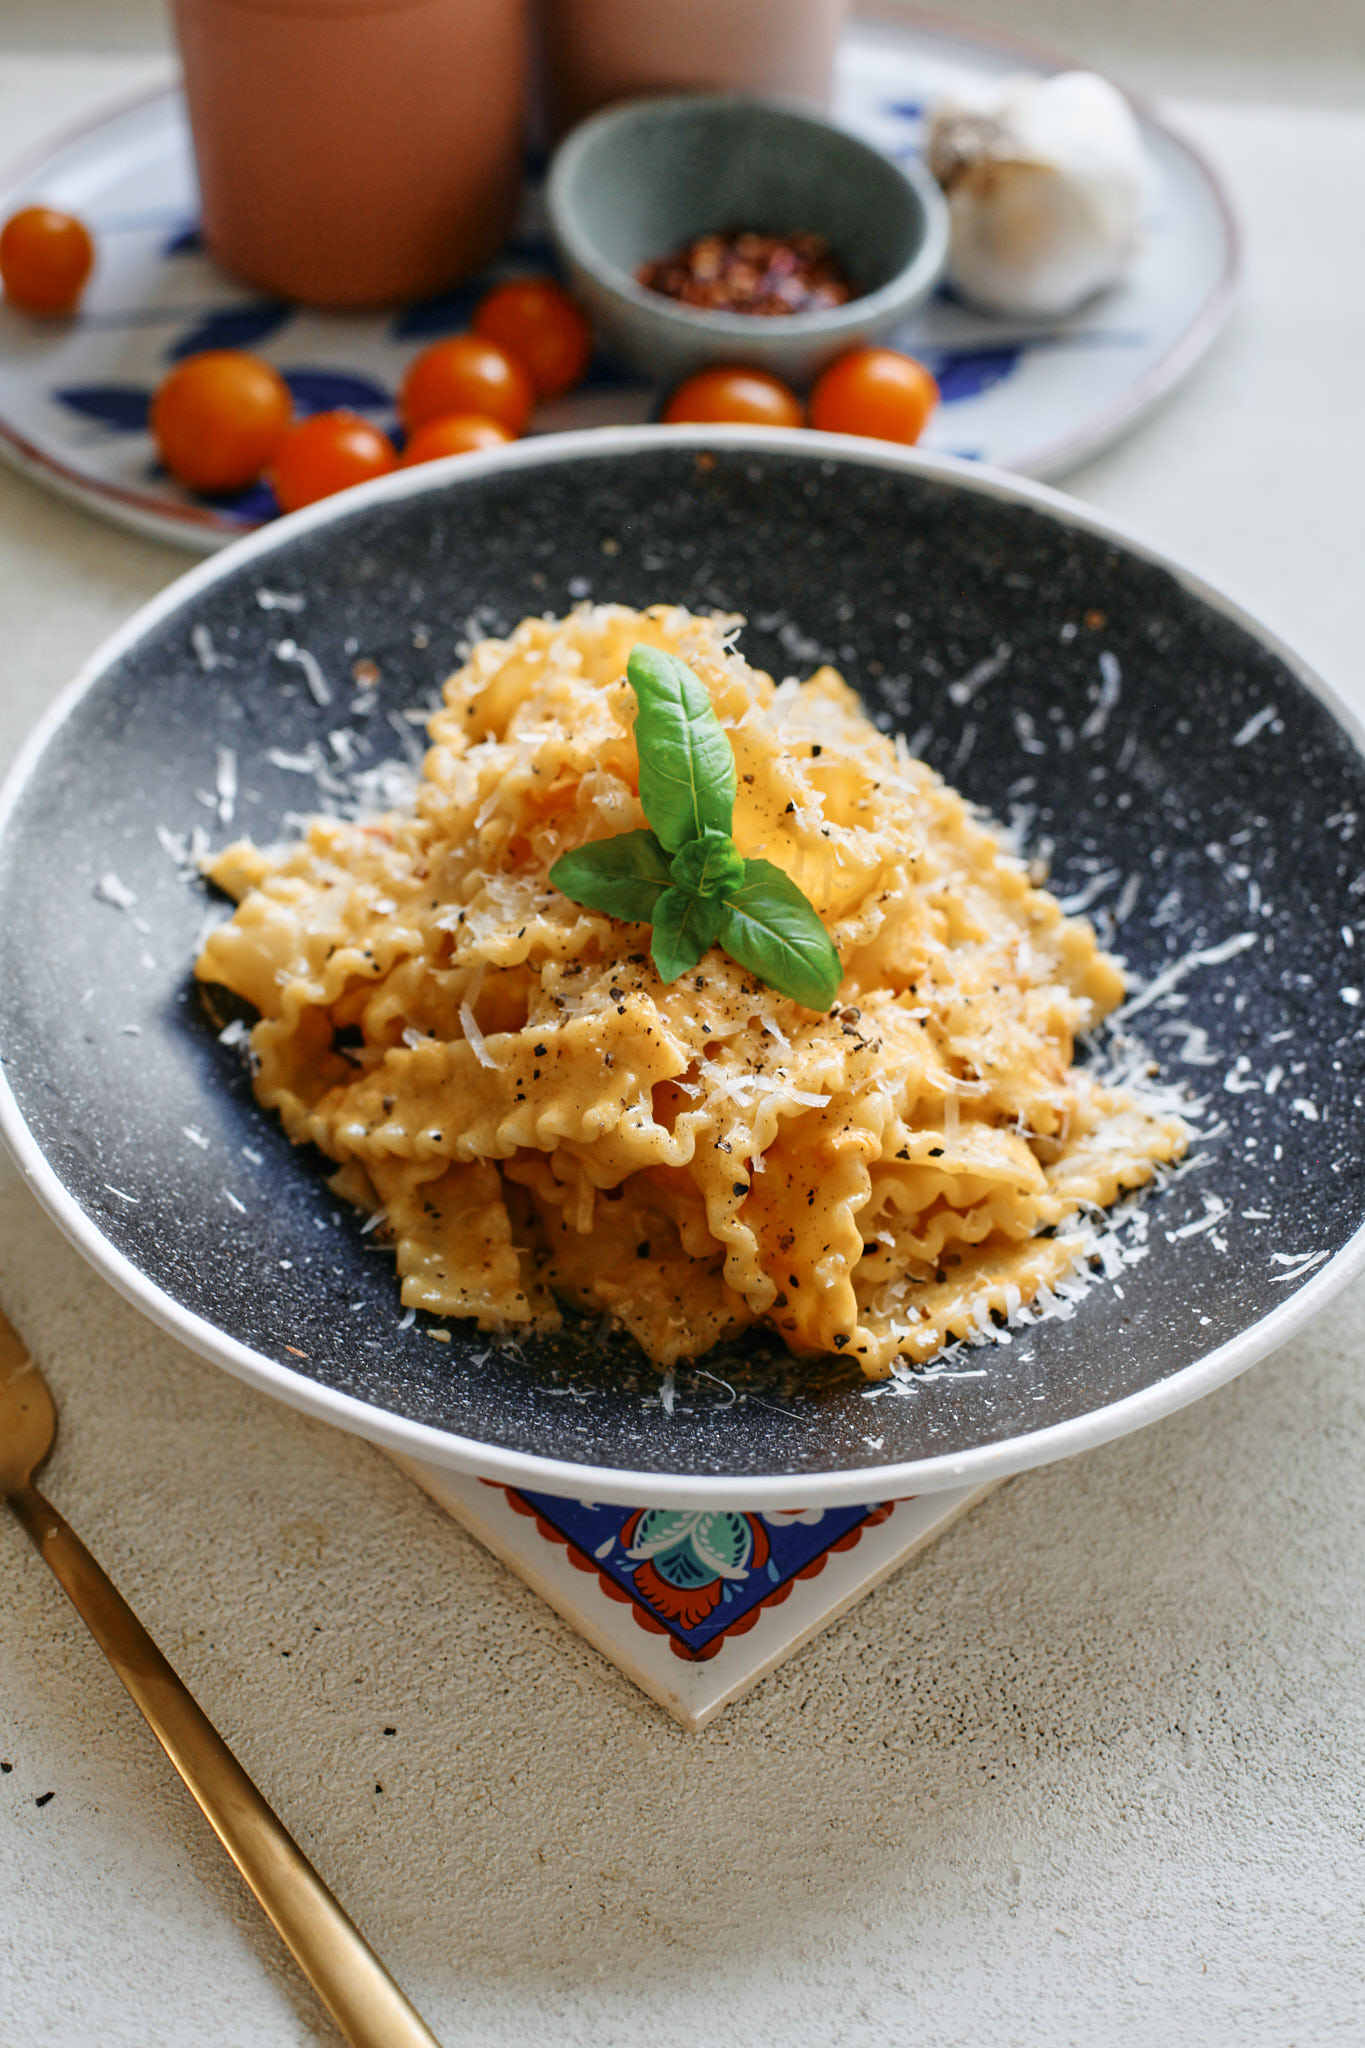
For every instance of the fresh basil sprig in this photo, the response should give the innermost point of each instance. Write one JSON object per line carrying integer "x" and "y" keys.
{"x": 687, "y": 766}
{"x": 685, "y": 876}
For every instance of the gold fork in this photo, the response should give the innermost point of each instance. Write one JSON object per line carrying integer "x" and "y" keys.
{"x": 338, "y": 1962}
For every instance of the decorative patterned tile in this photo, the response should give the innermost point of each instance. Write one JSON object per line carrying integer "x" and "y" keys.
{"x": 695, "y": 1607}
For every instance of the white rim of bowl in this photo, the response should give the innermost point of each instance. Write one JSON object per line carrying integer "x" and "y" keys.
{"x": 977, "y": 1466}
{"x": 911, "y": 281}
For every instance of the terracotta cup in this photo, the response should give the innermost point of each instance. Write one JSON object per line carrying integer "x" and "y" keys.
{"x": 603, "y": 50}
{"x": 355, "y": 152}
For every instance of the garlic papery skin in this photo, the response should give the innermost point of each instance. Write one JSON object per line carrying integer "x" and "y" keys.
{"x": 1045, "y": 179}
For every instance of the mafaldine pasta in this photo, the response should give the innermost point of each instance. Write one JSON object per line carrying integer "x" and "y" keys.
{"x": 538, "y": 1120}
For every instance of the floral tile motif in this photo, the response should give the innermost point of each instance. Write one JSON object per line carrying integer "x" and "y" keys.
{"x": 694, "y": 1608}
{"x": 697, "y": 1577}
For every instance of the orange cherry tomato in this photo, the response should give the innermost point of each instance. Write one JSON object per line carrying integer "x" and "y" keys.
{"x": 458, "y": 434}
{"x": 466, "y": 374}
{"x": 536, "y": 321}
{"x": 328, "y": 453}
{"x": 748, "y": 397}
{"x": 874, "y": 391}
{"x": 45, "y": 258}
{"x": 218, "y": 417}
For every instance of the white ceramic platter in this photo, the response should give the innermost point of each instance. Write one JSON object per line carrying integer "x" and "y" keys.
{"x": 1030, "y": 397}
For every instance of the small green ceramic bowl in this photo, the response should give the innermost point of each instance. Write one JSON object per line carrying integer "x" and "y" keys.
{"x": 643, "y": 178}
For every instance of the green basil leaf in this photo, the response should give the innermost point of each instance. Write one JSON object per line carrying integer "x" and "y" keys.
{"x": 687, "y": 765}
{"x": 624, "y": 876}
{"x": 709, "y": 866}
{"x": 770, "y": 928}
{"x": 684, "y": 928}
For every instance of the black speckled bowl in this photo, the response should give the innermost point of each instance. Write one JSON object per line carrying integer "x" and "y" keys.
{"x": 1197, "y": 784}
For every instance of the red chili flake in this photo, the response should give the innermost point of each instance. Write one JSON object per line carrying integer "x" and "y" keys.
{"x": 743, "y": 272}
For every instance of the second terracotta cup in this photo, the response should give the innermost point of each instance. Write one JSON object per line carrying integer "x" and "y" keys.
{"x": 603, "y": 50}
{"x": 355, "y": 152}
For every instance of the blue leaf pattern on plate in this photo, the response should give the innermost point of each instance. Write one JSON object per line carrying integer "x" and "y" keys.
{"x": 242, "y": 509}
{"x": 605, "y": 375}
{"x": 326, "y": 390}
{"x": 967, "y": 372}
{"x": 256, "y": 502}
{"x": 536, "y": 249}
{"x": 446, "y": 314}
{"x": 187, "y": 241}
{"x": 233, "y": 327}
{"x": 124, "y": 407}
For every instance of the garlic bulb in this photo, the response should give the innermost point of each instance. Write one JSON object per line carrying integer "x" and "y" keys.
{"x": 1044, "y": 178}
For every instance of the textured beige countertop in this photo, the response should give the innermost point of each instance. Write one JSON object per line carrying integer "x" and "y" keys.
{"x": 1090, "y": 1773}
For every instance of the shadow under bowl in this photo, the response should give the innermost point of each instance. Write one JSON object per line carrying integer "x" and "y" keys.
{"x": 642, "y": 179}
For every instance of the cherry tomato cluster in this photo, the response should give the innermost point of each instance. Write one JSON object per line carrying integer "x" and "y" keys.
{"x": 871, "y": 391}
{"x": 223, "y": 418}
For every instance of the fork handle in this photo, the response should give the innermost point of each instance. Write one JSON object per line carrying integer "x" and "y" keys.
{"x": 338, "y": 1962}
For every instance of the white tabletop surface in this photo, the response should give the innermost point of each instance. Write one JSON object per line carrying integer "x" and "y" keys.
{"x": 1090, "y": 1773}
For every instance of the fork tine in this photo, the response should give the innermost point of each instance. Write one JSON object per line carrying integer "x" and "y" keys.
{"x": 28, "y": 1413}
{"x": 14, "y": 1357}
